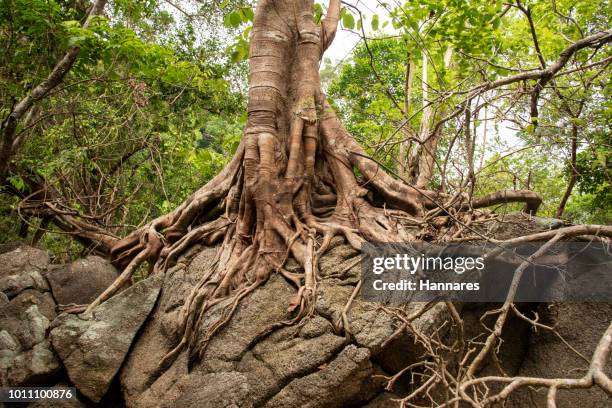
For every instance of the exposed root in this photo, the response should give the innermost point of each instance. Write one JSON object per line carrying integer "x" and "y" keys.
{"x": 503, "y": 311}
{"x": 448, "y": 374}
{"x": 150, "y": 246}
{"x": 345, "y": 310}
{"x": 594, "y": 376}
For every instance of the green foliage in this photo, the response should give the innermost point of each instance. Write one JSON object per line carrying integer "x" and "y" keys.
{"x": 593, "y": 201}
{"x": 318, "y": 12}
{"x": 489, "y": 40}
{"x": 532, "y": 169}
{"x": 361, "y": 97}
{"x": 242, "y": 16}
{"x": 130, "y": 120}
{"x": 348, "y": 21}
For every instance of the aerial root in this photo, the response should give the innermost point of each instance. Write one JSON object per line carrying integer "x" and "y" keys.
{"x": 151, "y": 244}
{"x": 209, "y": 233}
{"x": 345, "y": 322}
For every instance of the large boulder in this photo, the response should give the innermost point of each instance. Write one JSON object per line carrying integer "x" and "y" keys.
{"x": 81, "y": 281}
{"x": 93, "y": 347}
{"x": 311, "y": 364}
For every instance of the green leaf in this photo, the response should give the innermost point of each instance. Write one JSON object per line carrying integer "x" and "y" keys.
{"x": 496, "y": 22}
{"x": 375, "y": 22}
{"x": 248, "y": 13}
{"x": 76, "y": 40}
{"x": 233, "y": 19}
{"x": 17, "y": 182}
{"x": 414, "y": 25}
{"x": 318, "y": 13}
{"x": 348, "y": 21}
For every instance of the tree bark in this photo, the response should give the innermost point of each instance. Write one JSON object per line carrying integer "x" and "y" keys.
{"x": 427, "y": 158}
{"x": 404, "y": 147}
{"x": 573, "y": 173}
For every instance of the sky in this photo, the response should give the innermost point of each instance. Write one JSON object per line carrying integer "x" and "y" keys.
{"x": 346, "y": 40}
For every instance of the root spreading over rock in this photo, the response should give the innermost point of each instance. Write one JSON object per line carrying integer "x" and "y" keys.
{"x": 291, "y": 186}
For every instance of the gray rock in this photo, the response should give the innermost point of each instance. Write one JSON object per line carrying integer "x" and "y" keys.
{"x": 346, "y": 380}
{"x": 549, "y": 223}
{"x": 310, "y": 364}
{"x": 44, "y": 301}
{"x": 258, "y": 369}
{"x": 219, "y": 390}
{"x": 93, "y": 347}
{"x": 21, "y": 258}
{"x": 35, "y": 365}
{"x": 22, "y": 269}
{"x": 581, "y": 325}
{"x": 513, "y": 225}
{"x": 25, "y": 354}
{"x": 29, "y": 278}
{"x": 158, "y": 336}
{"x": 81, "y": 281}
{"x": 368, "y": 324}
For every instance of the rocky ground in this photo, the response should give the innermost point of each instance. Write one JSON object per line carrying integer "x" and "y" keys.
{"x": 112, "y": 355}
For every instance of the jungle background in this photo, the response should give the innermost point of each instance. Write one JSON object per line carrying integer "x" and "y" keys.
{"x": 154, "y": 105}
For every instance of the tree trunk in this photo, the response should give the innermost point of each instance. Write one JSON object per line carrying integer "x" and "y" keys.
{"x": 404, "y": 147}
{"x": 427, "y": 158}
{"x": 573, "y": 174}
